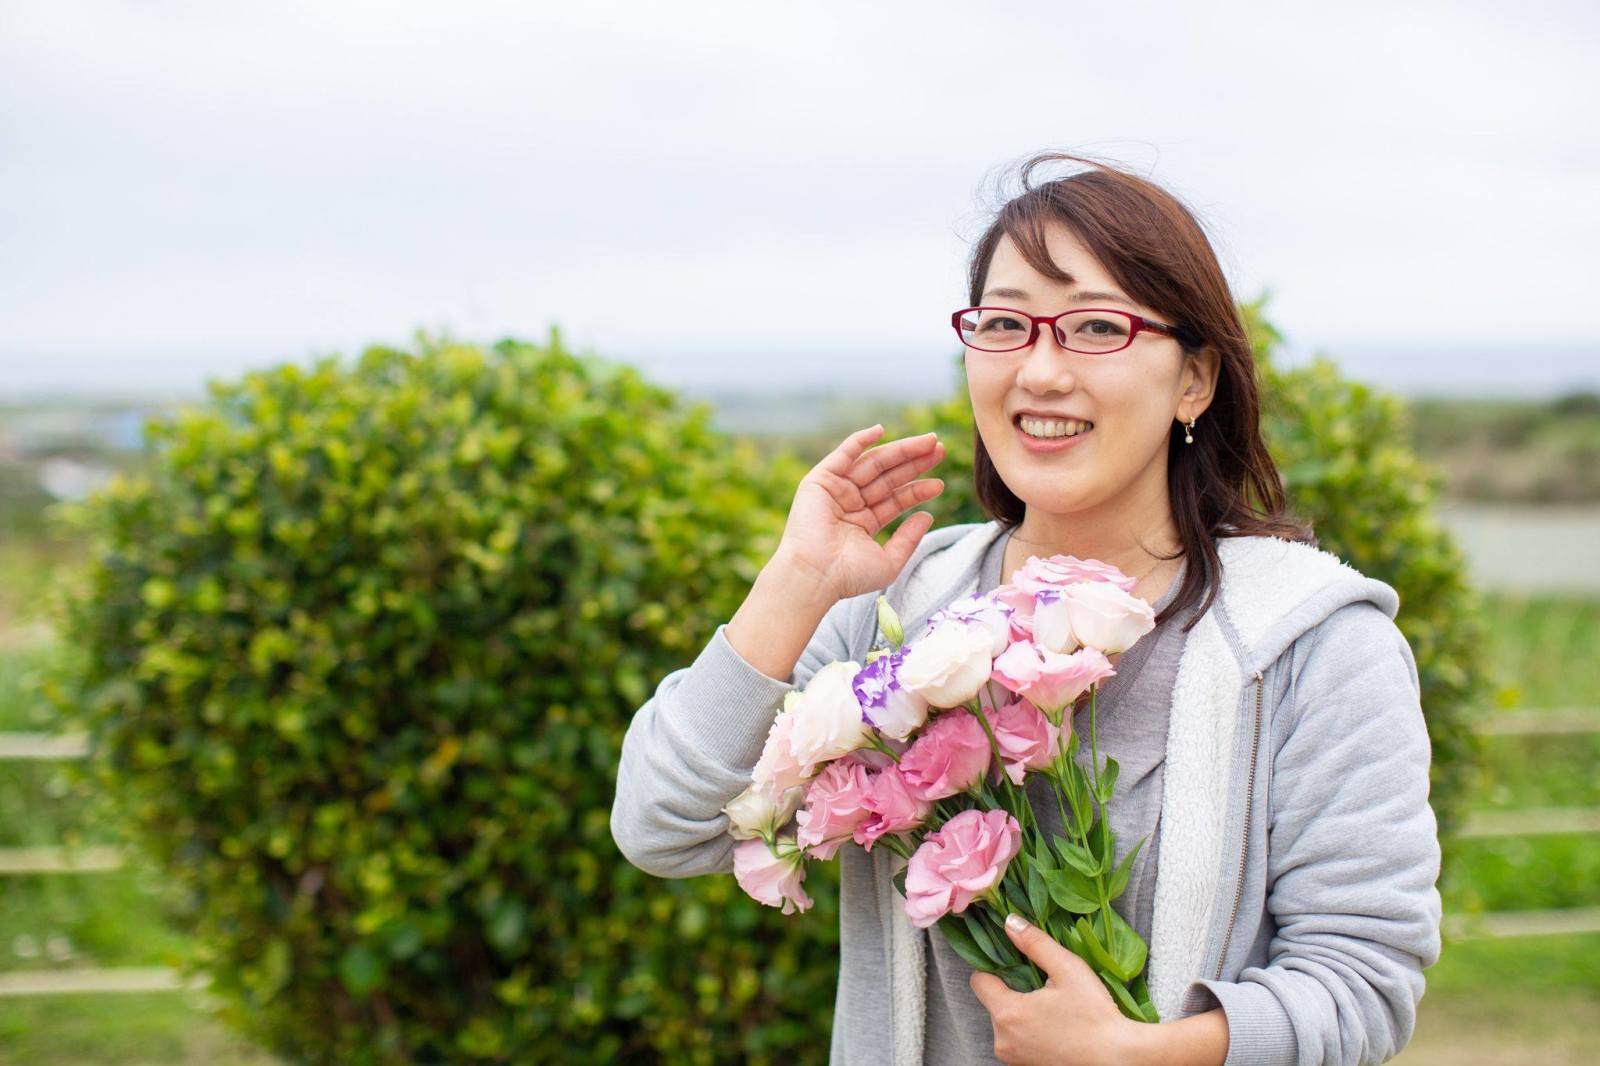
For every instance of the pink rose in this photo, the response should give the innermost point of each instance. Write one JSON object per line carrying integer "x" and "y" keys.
{"x": 950, "y": 755}
{"x": 1058, "y": 571}
{"x": 833, "y": 810}
{"x": 772, "y": 875}
{"x": 1048, "y": 680}
{"x": 1026, "y": 739}
{"x": 964, "y": 859}
{"x": 893, "y": 806}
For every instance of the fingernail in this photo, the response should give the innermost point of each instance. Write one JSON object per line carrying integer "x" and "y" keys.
{"x": 1015, "y": 923}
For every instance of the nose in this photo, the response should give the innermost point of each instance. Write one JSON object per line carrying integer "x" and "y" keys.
{"x": 1047, "y": 365}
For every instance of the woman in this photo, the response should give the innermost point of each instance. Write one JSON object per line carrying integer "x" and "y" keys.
{"x": 1269, "y": 728}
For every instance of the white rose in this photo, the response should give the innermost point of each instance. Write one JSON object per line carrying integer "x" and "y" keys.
{"x": 752, "y": 813}
{"x": 1052, "y": 623}
{"x": 1105, "y": 617}
{"x": 827, "y": 716}
{"x": 948, "y": 664}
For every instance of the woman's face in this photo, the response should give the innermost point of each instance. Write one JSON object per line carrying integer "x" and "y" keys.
{"x": 1131, "y": 397}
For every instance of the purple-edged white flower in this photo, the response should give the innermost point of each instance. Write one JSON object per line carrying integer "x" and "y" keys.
{"x": 985, "y": 612}
{"x": 1052, "y": 622}
{"x": 896, "y": 711}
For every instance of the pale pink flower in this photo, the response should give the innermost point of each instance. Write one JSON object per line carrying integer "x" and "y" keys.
{"x": 1058, "y": 571}
{"x": 893, "y": 806}
{"x": 958, "y": 862}
{"x": 950, "y": 755}
{"x": 1105, "y": 617}
{"x": 771, "y": 876}
{"x": 777, "y": 771}
{"x": 1026, "y": 739}
{"x": 1048, "y": 680}
{"x": 833, "y": 809}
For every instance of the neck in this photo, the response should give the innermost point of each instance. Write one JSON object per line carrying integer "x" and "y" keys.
{"x": 1134, "y": 545}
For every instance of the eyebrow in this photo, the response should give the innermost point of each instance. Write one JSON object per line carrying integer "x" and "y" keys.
{"x": 1077, "y": 298}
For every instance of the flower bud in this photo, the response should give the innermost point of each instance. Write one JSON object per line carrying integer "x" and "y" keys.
{"x": 889, "y": 623}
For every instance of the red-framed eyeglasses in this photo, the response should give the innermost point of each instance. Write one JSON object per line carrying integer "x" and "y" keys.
{"x": 1090, "y": 330}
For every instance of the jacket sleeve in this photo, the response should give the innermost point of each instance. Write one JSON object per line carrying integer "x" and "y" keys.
{"x": 691, "y": 747}
{"x": 1353, "y": 859}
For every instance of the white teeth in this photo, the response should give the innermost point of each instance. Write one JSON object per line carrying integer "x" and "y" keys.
{"x": 1053, "y": 427}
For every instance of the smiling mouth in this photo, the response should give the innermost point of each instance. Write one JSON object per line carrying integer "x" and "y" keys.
{"x": 1084, "y": 427}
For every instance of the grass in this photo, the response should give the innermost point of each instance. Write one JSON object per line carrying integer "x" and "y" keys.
{"x": 127, "y": 1029}
{"x": 1545, "y": 650}
{"x": 1538, "y": 771}
{"x": 56, "y": 921}
{"x": 1533, "y": 1001}
{"x": 50, "y": 921}
{"x": 1522, "y": 873}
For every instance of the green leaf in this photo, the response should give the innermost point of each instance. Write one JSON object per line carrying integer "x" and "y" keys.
{"x": 1141, "y": 995}
{"x": 1043, "y": 857}
{"x": 1102, "y": 845}
{"x": 1072, "y": 891}
{"x": 1100, "y": 958}
{"x": 899, "y": 880}
{"x": 954, "y": 927}
{"x": 1108, "y": 781}
{"x": 361, "y": 969}
{"x": 1022, "y": 977}
{"x": 1126, "y": 946}
{"x": 1125, "y": 1000}
{"x": 985, "y": 938}
{"x": 507, "y": 921}
{"x": 1078, "y": 857}
{"x": 1119, "y": 876}
{"x": 1039, "y": 897}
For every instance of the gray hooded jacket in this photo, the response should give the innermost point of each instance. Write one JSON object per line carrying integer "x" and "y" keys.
{"x": 1299, "y": 853}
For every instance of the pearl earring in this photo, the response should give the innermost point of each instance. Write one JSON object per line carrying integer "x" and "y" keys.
{"x": 1188, "y": 434}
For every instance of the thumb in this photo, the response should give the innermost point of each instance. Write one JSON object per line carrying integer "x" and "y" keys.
{"x": 1055, "y": 960}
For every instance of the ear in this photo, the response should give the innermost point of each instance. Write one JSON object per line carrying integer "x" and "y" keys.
{"x": 1199, "y": 382}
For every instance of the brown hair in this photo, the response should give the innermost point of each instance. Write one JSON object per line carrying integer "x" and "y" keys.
{"x": 1225, "y": 484}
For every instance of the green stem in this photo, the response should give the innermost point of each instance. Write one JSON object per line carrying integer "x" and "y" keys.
{"x": 875, "y": 742}
{"x": 1094, "y": 755}
{"x": 1019, "y": 798}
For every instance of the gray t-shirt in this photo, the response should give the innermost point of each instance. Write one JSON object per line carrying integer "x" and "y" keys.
{"x": 1131, "y": 711}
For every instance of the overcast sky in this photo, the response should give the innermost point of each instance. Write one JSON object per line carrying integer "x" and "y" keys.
{"x": 189, "y": 189}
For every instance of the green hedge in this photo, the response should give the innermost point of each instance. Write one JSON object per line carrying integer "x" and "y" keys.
{"x": 1347, "y": 467}
{"x": 357, "y": 652}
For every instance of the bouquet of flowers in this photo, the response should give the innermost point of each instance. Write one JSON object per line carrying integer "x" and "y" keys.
{"x": 927, "y": 749}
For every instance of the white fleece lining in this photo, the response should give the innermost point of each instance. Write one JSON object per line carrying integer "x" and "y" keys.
{"x": 1194, "y": 810}
{"x": 1267, "y": 578}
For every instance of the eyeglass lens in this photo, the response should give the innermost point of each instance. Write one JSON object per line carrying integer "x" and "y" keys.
{"x": 1092, "y": 332}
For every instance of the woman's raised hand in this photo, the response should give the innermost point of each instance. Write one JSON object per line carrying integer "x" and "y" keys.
{"x": 847, "y": 498}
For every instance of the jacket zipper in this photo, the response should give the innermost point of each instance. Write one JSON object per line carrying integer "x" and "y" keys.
{"x": 1244, "y": 846}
